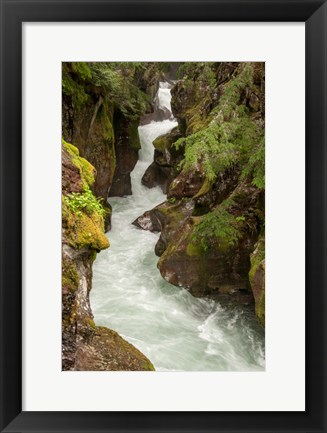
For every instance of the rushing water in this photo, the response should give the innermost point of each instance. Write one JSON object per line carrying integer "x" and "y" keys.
{"x": 176, "y": 331}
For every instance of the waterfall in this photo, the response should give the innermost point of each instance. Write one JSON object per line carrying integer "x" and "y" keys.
{"x": 176, "y": 331}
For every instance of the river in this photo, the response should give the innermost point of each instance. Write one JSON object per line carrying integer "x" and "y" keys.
{"x": 176, "y": 331}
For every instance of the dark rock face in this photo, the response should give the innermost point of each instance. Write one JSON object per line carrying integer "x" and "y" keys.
{"x": 89, "y": 127}
{"x": 222, "y": 268}
{"x": 158, "y": 115}
{"x": 162, "y": 171}
{"x": 127, "y": 145}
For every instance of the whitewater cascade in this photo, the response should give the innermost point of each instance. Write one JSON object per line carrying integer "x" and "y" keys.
{"x": 176, "y": 331}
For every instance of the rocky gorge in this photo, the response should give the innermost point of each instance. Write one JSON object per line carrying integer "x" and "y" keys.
{"x": 206, "y": 177}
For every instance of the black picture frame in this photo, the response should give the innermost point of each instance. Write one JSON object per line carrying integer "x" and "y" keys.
{"x": 13, "y": 14}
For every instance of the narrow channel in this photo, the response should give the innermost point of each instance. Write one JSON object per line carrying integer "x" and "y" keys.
{"x": 175, "y": 330}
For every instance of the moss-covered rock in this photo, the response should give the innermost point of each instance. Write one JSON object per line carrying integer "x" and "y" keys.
{"x": 70, "y": 275}
{"x": 89, "y": 126}
{"x": 257, "y": 279}
{"x": 86, "y": 170}
{"x": 222, "y": 269}
{"x": 166, "y": 158}
{"x": 82, "y": 213}
{"x": 83, "y": 230}
{"x": 127, "y": 145}
{"x": 201, "y": 254}
{"x": 167, "y": 218}
{"x": 107, "y": 351}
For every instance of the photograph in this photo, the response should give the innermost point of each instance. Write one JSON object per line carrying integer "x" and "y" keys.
{"x": 163, "y": 216}
{"x": 165, "y": 166}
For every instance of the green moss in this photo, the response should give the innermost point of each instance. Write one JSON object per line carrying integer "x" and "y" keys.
{"x": 257, "y": 261}
{"x": 82, "y": 213}
{"x": 207, "y": 184}
{"x": 260, "y": 307}
{"x": 218, "y": 227}
{"x": 70, "y": 277}
{"x": 104, "y": 115}
{"x": 117, "y": 354}
{"x": 133, "y": 134}
{"x": 83, "y": 230}
{"x": 196, "y": 119}
{"x": 90, "y": 322}
{"x": 256, "y": 258}
{"x": 166, "y": 141}
{"x": 86, "y": 169}
{"x": 193, "y": 250}
{"x": 85, "y": 202}
{"x": 73, "y": 77}
{"x": 160, "y": 142}
{"x": 89, "y": 232}
{"x": 70, "y": 148}
{"x": 81, "y": 69}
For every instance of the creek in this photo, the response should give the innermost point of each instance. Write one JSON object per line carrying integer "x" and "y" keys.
{"x": 175, "y": 330}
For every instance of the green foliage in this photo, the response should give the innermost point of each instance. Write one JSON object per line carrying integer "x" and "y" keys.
{"x": 232, "y": 137}
{"x": 115, "y": 79}
{"x": 211, "y": 147}
{"x": 81, "y": 69}
{"x": 73, "y": 78}
{"x": 219, "y": 226}
{"x": 84, "y": 202}
{"x": 199, "y": 71}
{"x": 255, "y": 166}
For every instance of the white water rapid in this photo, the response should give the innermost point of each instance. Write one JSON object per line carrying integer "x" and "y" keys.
{"x": 176, "y": 331}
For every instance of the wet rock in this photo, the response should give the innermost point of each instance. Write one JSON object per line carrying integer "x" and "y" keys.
{"x": 127, "y": 145}
{"x": 167, "y": 218}
{"x": 89, "y": 127}
{"x": 188, "y": 183}
{"x": 221, "y": 268}
{"x": 158, "y": 115}
{"x": 212, "y": 194}
{"x": 107, "y": 218}
{"x": 105, "y": 350}
{"x": 166, "y": 158}
{"x": 150, "y": 221}
{"x": 257, "y": 279}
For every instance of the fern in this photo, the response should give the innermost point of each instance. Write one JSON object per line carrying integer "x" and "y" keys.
{"x": 232, "y": 137}
{"x": 219, "y": 226}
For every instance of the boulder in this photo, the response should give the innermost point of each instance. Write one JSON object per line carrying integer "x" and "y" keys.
{"x": 222, "y": 266}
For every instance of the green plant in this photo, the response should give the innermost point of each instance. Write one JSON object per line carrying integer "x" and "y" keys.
{"x": 84, "y": 202}
{"x": 115, "y": 80}
{"x": 219, "y": 226}
{"x": 233, "y": 136}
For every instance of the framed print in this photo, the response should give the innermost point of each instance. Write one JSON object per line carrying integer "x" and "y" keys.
{"x": 170, "y": 157}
